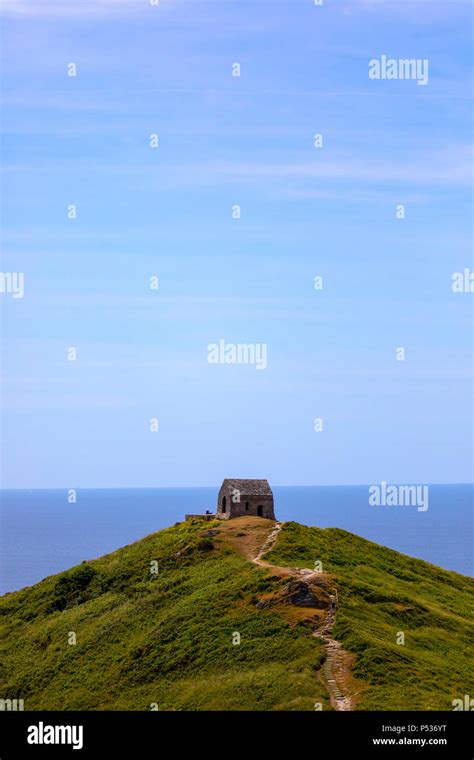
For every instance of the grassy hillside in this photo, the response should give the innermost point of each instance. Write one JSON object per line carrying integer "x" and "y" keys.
{"x": 166, "y": 638}
{"x": 163, "y": 638}
{"x": 380, "y": 594}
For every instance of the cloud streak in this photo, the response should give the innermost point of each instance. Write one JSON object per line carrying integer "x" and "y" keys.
{"x": 71, "y": 8}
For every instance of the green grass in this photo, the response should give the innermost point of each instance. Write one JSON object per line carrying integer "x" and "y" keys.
{"x": 162, "y": 639}
{"x": 166, "y": 638}
{"x": 382, "y": 593}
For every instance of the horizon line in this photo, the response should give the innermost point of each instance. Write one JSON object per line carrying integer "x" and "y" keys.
{"x": 278, "y": 485}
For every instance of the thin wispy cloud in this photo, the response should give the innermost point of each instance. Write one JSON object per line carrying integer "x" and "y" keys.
{"x": 69, "y": 8}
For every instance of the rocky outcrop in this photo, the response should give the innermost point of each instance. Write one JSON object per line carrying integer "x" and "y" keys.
{"x": 301, "y": 594}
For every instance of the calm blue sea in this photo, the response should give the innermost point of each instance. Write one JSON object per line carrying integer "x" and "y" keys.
{"x": 42, "y": 534}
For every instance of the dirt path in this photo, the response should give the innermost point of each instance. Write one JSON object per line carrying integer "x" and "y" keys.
{"x": 336, "y": 667}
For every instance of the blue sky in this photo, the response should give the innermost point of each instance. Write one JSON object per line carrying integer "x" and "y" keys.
{"x": 227, "y": 140}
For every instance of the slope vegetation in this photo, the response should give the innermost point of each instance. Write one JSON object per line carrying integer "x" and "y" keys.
{"x": 409, "y": 623}
{"x": 158, "y": 640}
{"x": 184, "y": 620}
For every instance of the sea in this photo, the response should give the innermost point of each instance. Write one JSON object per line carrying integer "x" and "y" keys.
{"x": 42, "y": 533}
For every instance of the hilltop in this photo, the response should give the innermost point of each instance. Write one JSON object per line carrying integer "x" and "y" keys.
{"x": 234, "y": 616}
